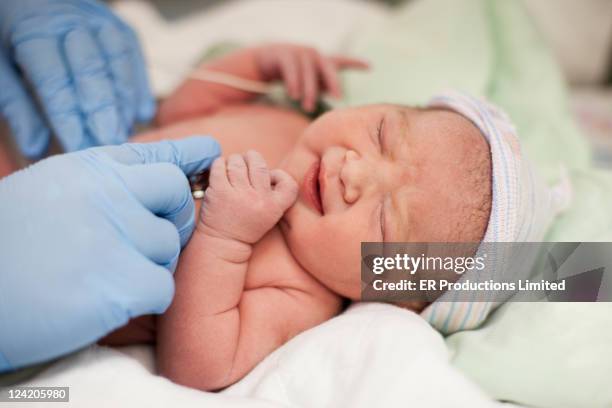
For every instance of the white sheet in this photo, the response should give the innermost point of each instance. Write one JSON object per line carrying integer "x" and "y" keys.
{"x": 372, "y": 355}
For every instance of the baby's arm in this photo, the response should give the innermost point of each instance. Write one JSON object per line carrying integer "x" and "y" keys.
{"x": 304, "y": 71}
{"x": 214, "y": 333}
{"x": 195, "y": 97}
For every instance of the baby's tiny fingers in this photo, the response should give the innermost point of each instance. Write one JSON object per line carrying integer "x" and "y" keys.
{"x": 290, "y": 74}
{"x": 259, "y": 174}
{"x": 285, "y": 187}
{"x": 218, "y": 173}
{"x": 309, "y": 81}
{"x": 342, "y": 61}
{"x": 237, "y": 171}
{"x": 330, "y": 75}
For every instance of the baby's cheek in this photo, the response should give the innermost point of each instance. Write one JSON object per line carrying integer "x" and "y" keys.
{"x": 342, "y": 248}
{"x": 325, "y": 248}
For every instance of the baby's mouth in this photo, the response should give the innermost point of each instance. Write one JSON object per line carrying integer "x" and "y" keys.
{"x": 311, "y": 188}
{"x": 318, "y": 189}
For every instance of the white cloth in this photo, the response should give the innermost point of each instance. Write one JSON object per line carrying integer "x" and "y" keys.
{"x": 371, "y": 355}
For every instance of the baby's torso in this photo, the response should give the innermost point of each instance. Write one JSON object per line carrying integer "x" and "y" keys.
{"x": 272, "y": 132}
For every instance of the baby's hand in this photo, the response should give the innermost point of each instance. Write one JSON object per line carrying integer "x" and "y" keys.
{"x": 304, "y": 70}
{"x": 244, "y": 199}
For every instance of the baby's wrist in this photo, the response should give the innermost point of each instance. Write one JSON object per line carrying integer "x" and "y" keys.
{"x": 226, "y": 248}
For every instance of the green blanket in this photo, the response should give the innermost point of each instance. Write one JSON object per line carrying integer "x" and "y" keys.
{"x": 539, "y": 354}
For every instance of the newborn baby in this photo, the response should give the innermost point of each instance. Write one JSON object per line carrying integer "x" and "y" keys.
{"x": 275, "y": 252}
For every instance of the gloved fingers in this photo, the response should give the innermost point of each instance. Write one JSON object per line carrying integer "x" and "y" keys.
{"x": 16, "y": 106}
{"x": 118, "y": 55}
{"x": 192, "y": 155}
{"x": 122, "y": 48}
{"x": 155, "y": 238}
{"x": 148, "y": 288}
{"x": 53, "y": 86}
{"x": 145, "y": 101}
{"x": 164, "y": 190}
{"x": 94, "y": 88}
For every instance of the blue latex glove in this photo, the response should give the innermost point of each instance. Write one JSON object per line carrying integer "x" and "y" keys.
{"x": 88, "y": 240}
{"x": 71, "y": 65}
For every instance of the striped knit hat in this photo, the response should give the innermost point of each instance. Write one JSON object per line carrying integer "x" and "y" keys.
{"x": 522, "y": 206}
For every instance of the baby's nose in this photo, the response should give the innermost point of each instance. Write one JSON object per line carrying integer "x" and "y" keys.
{"x": 352, "y": 175}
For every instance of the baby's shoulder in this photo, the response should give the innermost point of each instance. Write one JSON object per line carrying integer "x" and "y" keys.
{"x": 273, "y": 265}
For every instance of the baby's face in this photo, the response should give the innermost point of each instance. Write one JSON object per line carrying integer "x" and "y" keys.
{"x": 375, "y": 173}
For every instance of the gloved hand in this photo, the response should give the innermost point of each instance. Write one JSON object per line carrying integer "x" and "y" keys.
{"x": 71, "y": 65}
{"x": 88, "y": 240}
